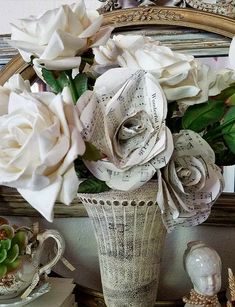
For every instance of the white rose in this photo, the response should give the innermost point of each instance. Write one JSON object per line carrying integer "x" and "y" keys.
{"x": 124, "y": 117}
{"x": 57, "y": 37}
{"x": 39, "y": 142}
{"x": 112, "y": 53}
{"x": 15, "y": 83}
{"x": 191, "y": 181}
{"x": 182, "y": 78}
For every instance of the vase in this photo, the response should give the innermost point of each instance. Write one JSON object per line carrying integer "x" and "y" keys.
{"x": 130, "y": 237}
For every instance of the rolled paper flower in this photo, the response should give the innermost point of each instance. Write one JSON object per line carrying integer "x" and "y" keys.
{"x": 190, "y": 183}
{"x": 124, "y": 117}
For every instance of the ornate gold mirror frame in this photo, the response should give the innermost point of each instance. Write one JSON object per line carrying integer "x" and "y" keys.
{"x": 141, "y": 18}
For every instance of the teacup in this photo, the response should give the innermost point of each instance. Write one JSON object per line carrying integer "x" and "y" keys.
{"x": 27, "y": 275}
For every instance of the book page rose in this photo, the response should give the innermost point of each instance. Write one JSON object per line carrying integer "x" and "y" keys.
{"x": 191, "y": 181}
{"x": 56, "y": 38}
{"x": 124, "y": 117}
{"x": 39, "y": 142}
{"x": 182, "y": 77}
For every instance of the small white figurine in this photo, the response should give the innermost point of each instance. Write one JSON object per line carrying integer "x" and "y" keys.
{"x": 203, "y": 265}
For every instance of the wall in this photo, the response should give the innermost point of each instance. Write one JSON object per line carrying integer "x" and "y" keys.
{"x": 78, "y": 233}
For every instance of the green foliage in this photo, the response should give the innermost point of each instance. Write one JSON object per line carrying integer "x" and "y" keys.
{"x": 226, "y": 93}
{"x": 81, "y": 169}
{"x": 200, "y": 116}
{"x": 222, "y": 153}
{"x": 228, "y": 129}
{"x": 56, "y": 83}
{"x": 93, "y": 185}
{"x": 231, "y": 100}
{"x": 60, "y": 79}
{"x": 215, "y": 120}
{"x": 12, "y": 245}
{"x": 81, "y": 84}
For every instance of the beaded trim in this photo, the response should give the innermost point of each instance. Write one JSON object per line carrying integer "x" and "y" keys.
{"x": 200, "y": 299}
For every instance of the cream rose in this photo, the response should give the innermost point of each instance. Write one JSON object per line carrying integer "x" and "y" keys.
{"x": 15, "y": 83}
{"x": 57, "y": 37}
{"x": 191, "y": 181}
{"x": 117, "y": 48}
{"x": 181, "y": 76}
{"x": 124, "y": 117}
{"x": 39, "y": 142}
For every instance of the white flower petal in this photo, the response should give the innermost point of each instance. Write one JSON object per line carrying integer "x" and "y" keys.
{"x": 43, "y": 201}
{"x": 59, "y": 64}
{"x": 60, "y": 33}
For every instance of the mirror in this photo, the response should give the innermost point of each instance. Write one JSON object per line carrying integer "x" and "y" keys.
{"x": 202, "y": 34}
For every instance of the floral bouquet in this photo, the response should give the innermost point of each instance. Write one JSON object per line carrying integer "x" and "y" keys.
{"x": 118, "y": 113}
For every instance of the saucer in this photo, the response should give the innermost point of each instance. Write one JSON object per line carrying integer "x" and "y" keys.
{"x": 41, "y": 289}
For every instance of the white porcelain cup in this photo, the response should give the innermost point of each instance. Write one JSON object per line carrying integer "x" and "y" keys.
{"x": 16, "y": 283}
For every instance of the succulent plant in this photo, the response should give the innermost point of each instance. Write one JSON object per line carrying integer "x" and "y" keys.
{"x": 13, "y": 244}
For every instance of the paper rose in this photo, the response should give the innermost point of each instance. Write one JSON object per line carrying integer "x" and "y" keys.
{"x": 39, "y": 142}
{"x": 182, "y": 78}
{"x": 56, "y": 38}
{"x": 191, "y": 181}
{"x": 124, "y": 118}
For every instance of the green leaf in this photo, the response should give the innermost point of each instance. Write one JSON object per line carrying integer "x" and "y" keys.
{"x": 51, "y": 80}
{"x": 21, "y": 239}
{"x": 63, "y": 79}
{"x": 12, "y": 254}
{"x": 57, "y": 83}
{"x": 91, "y": 153}
{"x": 3, "y": 270}
{"x": 229, "y": 129}
{"x": 81, "y": 84}
{"x": 226, "y": 93}
{"x": 5, "y": 244}
{"x": 14, "y": 265}
{"x": 93, "y": 185}
{"x": 80, "y": 168}
{"x": 231, "y": 100}
{"x": 198, "y": 117}
{"x": 3, "y": 255}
